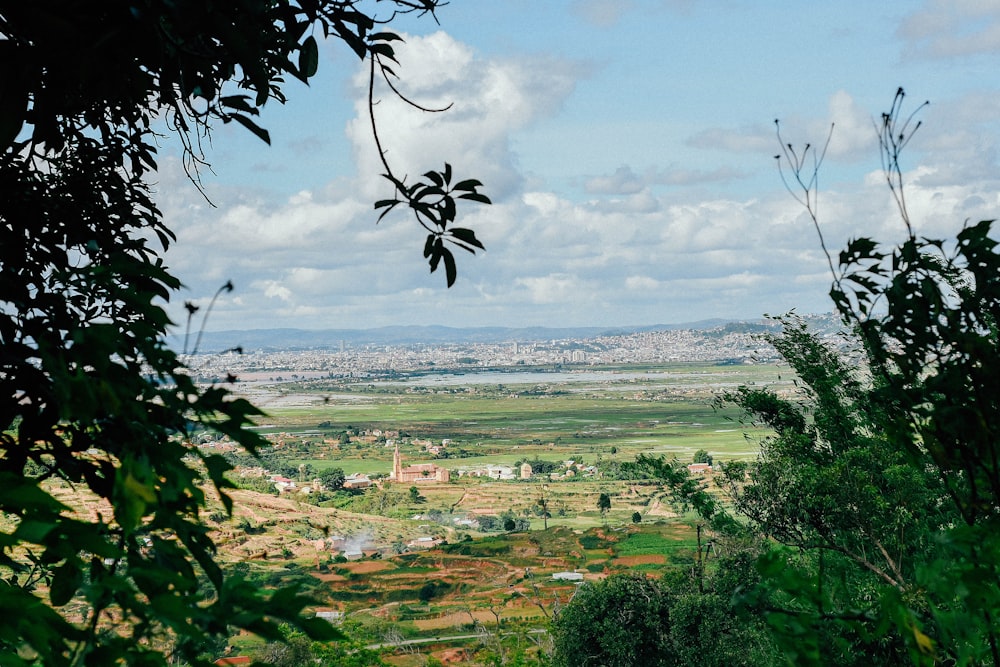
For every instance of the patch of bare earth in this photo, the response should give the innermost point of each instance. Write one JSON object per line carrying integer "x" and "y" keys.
{"x": 647, "y": 559}
{"x": 366, "y": 567}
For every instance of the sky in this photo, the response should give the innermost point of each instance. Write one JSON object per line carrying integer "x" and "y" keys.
{"x": 629, "y": 150}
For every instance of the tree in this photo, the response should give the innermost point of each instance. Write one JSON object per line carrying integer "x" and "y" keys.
{"x": 91, "y": 394}
{"x": 702, "y": 456}
{"x": 604, "y": 504}
{"x": 293, "y": 650}
{"x": 332, "y": 478}
{"x": 622, "y": 621}
{"x": 542, "y": 509}
{"x": 427, "y": 592}
{"x": 636, "y": 517}
{"x": 854, "y": 519}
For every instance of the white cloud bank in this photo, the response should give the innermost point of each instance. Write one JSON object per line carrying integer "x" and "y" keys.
{"x": 635, "y": 247}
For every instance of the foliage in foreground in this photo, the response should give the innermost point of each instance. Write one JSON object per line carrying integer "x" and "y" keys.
{"x": 629, "y": 620}
{"x": 92, "y": 398}
{"x": 878, "y": 495}
{"x": 922, "y": 525}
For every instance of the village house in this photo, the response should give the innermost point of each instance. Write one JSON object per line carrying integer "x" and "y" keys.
{"x": 424, "y": 542}
{"x": 357, "y": 481}
{"x": 334, "y": 616}
{"x": 491, "y": 471}
{"x": 283, "y": 484}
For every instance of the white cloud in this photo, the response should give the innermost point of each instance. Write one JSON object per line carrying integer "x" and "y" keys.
{"x": 853, "y": 136}
{"x": 952, "y": 28}
{"x": 489, "y": 99}
{"x": 641, "y": 283}
{"x": 273, "y": 289}
{"x": 601, "y": 13}
{"x": 641, "y": 244}
{"x": 748, "y": 139}
{"x": 552, "y": 288}
{"x": 622, "y": 182}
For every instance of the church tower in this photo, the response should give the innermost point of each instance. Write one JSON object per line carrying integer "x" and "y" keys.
{"x": 397, "y": 465}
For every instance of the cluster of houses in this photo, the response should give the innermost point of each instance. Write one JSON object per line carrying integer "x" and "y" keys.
{"x": 524, "y": 471}
{"x": 356, "y": 548}
{"x": 422, "y": 473}
{"x": 288, "y": 485}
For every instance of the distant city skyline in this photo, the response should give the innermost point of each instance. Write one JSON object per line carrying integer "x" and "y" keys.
{"x": 628, "y": 147}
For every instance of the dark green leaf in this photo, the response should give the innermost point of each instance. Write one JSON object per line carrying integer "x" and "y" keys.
{"x": 238, "y": 102}
{"x": 66, "y": 580}
{"x": 449, "y": 266}
{"x": 260, "y": 132}
{"x": 469, "y": 184}
{"x": 475, "y": 196}
{"x": 308, "y": 57}
{"x": 466, "y": 236}
{"x": 437, "y": 178}
{"x": 385, "y": 37}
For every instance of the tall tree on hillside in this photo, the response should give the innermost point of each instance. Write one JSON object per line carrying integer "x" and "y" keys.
{"x": 90, "y": 396}
{"x": 702, "y": 456}
{"x": 926, "y": 313}
{"x": 622, "y": 621}
{"x": 855, "y": 520}
{"x": 604, "y": 504}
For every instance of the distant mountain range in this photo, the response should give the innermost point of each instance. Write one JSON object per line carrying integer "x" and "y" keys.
{"x": 318, "y": 339}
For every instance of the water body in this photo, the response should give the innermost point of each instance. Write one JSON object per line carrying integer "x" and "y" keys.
{"x": 534, "y": 377}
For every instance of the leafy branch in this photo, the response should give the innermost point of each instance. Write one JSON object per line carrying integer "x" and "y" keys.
{"x": 433, "y": 200}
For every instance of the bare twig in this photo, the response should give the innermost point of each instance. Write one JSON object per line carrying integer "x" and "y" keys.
{"x": 805, "y": 182}
{"x": 894, "y": 133}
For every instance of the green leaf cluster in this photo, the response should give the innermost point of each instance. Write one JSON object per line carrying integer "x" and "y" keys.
{"x": 433, "y": 203}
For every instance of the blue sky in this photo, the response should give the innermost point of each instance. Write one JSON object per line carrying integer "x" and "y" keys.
{"x": 629, "y": 149}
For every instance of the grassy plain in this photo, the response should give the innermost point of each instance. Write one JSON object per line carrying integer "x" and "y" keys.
{"x": 664, "y": 410}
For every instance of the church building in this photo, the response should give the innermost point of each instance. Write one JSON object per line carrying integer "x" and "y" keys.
{"x": 421, "y": 472}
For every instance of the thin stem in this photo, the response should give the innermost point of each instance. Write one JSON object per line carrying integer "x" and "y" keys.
{"x": 228, "y": 287}
{"x": 894, "y": 135}
{"x": 371, "y": 115}
{"x": 388, "y": 81}
{"x": 806, "y": 189}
